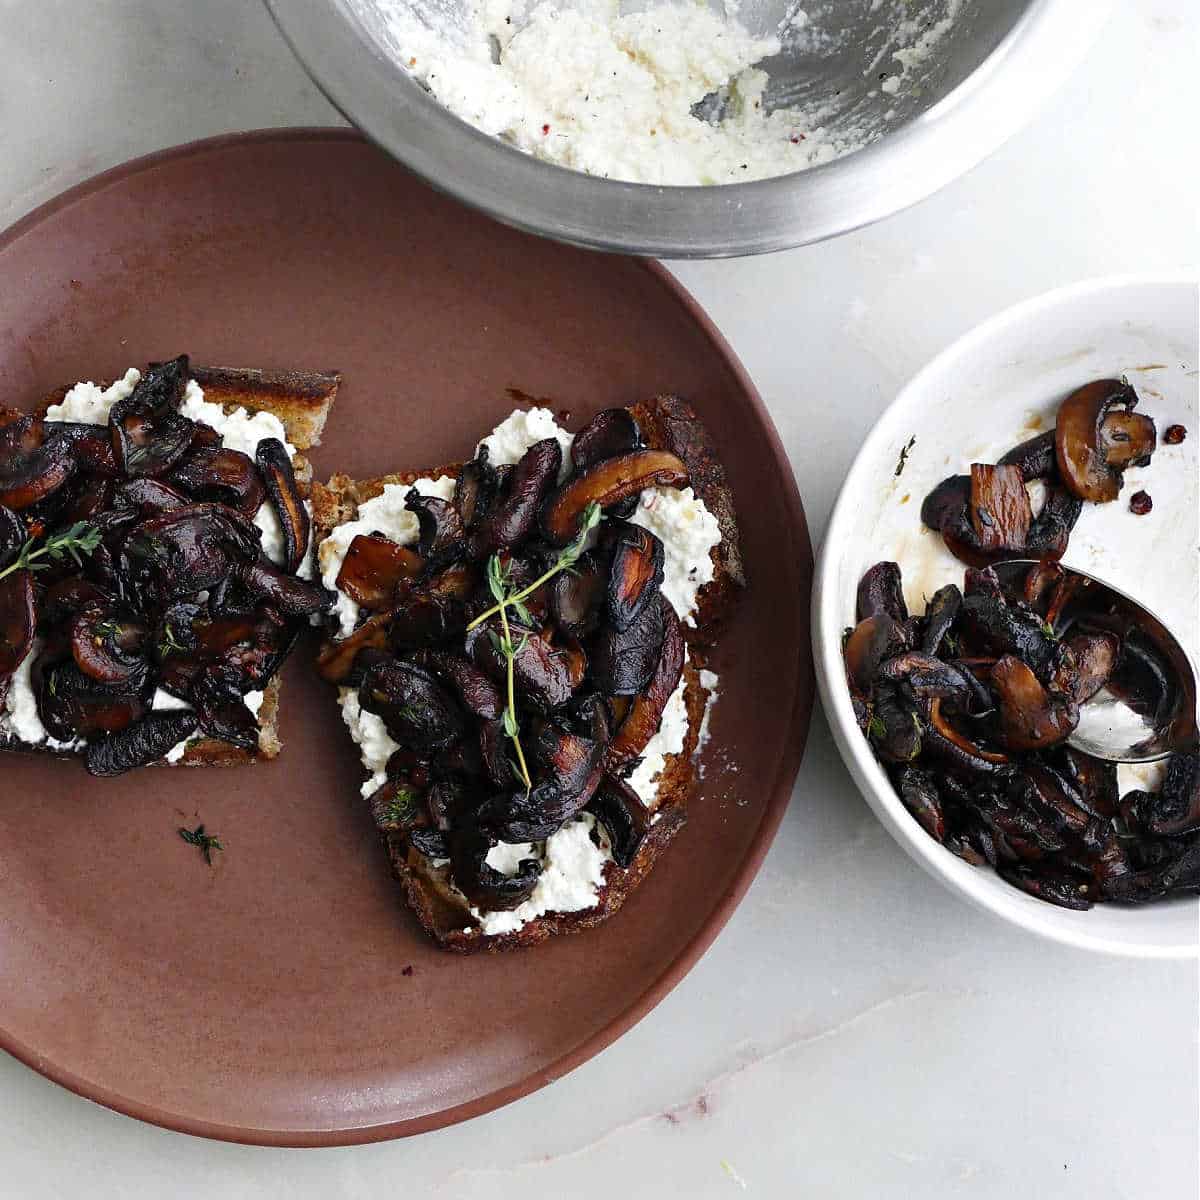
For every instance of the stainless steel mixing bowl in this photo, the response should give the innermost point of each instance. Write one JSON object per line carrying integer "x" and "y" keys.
{"x": 1000, "y": 60}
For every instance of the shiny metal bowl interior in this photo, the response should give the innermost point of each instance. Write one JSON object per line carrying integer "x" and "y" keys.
{"x": 985, "y": 77}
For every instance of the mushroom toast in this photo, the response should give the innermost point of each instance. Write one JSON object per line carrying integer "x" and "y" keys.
{"x": 155, "y": 564}
{"x": 518, "y": 643}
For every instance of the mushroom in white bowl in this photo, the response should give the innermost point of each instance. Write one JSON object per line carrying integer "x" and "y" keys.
{"x": 995, "y": 387}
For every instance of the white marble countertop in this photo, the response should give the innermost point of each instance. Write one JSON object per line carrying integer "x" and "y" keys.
{"x": 856, "y": 1031}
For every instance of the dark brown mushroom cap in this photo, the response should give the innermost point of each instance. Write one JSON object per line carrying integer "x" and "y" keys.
{"x": 1090, "y": 463}
{"x": 13, "y": 535}
{"x": 940, "y": 614}
{"x": 625, "y": 818}
{"x": 644, "y": 715}
{"x": 108, "y": 648}
{"x": 279, "y": 477}
{"x": 18, "y": 620}
{"x": 482, "y": 885}
{"x": 1176, "y": 807}
{"x": 437, "y": 520}
{"x": 1031, "y": 718}
{"x": 611, "y": 432}
{"x": 475, "y": 691}
{"x": 226, "y": 476}
{"x": 1035, "y": 456}
{"x": 71, "y": 705}
{"x": 919, "y": 793}
{"x": 288, "y": 594}
{"x": 217, "y": 695}
{"x": 372, "y": 568}
{"x": 576, "y": 598}
{"x": 635, "y": 575}
{"x": 184, "y": 551}
{"x": 146, "y": 741}
{"x": 148, "y": 497}
{"x": 417, "y": 710}
{"x": 607, "y": 483}
{"x": 623, "y": 660}
{"x": 475, "y": 489}
{"x": 29, "y": 476}
{"x": 545, "y": 676}
{"x": 871, "y": 643}
{"x": 512, "y": 519}
{"x": 881, "y": 590}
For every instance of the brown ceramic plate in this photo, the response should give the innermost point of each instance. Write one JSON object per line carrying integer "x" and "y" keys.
{"x": 284, "y": 996}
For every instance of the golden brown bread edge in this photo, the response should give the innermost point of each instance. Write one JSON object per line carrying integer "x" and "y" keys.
{"x": 301, "y": 400}
{"x": 667, "y": 423}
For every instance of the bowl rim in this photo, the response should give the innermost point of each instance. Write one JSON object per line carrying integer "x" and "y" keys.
{"x": 1044, "y": 45}
{"x": 973, "y": 885}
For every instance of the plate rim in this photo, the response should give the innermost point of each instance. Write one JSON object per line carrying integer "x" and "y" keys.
{"x": 674, "y": 971}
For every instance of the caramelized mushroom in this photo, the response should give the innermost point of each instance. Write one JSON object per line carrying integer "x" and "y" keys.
{"x": 146, "y": 741}
{"x": 18, "y": 620}
{"x": 918, "y": 790}
{"x": 1035, "y": 457}
{"x": 644, "y": 715}
{"x": 881, "y": 591}
{"x": 220, "y": 707}
{"x": 277, "y": 473}
{"x": 108, "y": 649}
{"x": 484, "y": 886}
{"x": 625, "y": 818}
{"x": 940, "y": 614}
{"x": 372, "y": 568}
{"x": 30, "y": 476}
{"x": 417, "y": 711}
{"x": 226, "y": 476}
{"x": 872, "y": 642}
{"x": 894, "y": 729}
{"x": 289, "y": 594}
{"x": 1051, "y": 528}
{"x": 946, "y": 502}
{"x": 610, "y": 433}
{"x": 635, "y": 576}
{"x": 1176, "y": 807}
{"x": 607, "y": 483}
{"x": 12, "y": 536}
{"x": 184, "y": 551}
{"x": 1093, "y": 658}
{"x": 623, "y": 661}
{"x": 944, "y": 741}
{"x": 999, "y": 506}
{"x": 148, "y": 497}
{"x": 437, "y": 519}
{"x": 575, "y": 598}
{"x": 513, "y": 519}
{"x": 1091, "y": 462}
{"x": 71, "y": 705}
{"x": 545, "y": 676}
{"x": 573, "y": 767}
{"x": 475, "y": 489}
{"x": 475, "y": 691}
{"x": 335, "y": 659}
{"x": 1030, "y": 717}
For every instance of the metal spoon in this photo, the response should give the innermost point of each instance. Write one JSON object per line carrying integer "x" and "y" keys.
{"x": 1110, "y": 728}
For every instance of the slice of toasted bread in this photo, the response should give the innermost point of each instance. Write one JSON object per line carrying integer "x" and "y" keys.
{"x": 669, "y": 423}
{"x": 301, "y": 400}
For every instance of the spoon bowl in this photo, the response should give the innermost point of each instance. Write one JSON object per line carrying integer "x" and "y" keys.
{"x": 1115, "y": 724}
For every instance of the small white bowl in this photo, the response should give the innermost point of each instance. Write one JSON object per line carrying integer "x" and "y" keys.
{"x": 992, "y": 388}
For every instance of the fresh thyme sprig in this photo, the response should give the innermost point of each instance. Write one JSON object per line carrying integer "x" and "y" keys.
{"x": 498, "y": 583}
{"x": 567, "y": 558}
{"x": 207, "y": 842}
{"x": 81, "y": 538}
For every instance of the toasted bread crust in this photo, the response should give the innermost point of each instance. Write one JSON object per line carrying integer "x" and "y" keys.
{"x": 301, "y": 400}
{"x": 666, "y": 422}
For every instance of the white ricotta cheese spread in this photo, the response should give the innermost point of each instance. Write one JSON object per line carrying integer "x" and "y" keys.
{"x": 370, "y": 734}
{"x": 668, "y": 740}
{"x": 572, "y": 875}
{"x": 688, "y": 532}
{"x": 522, "y": 428}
